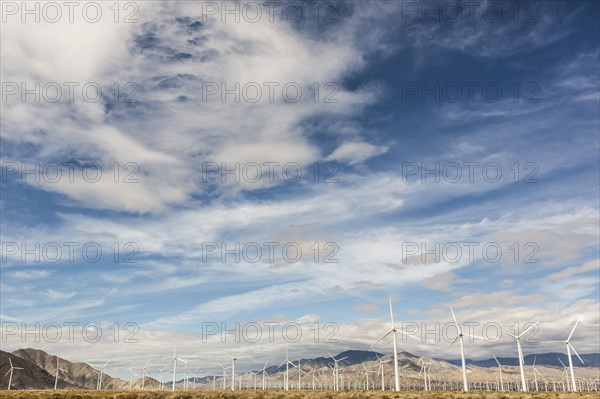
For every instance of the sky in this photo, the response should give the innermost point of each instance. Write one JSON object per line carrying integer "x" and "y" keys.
{"x": 174, "y": 169}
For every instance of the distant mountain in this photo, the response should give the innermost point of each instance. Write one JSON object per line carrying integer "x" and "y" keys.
{"x": 78, "y": 375}
{"x": 542, "y": 359}
{"x": 31, "y": 377}
{"x": 39, "y": 369}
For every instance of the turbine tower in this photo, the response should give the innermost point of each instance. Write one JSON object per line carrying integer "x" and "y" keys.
{"x": 233, "y": 359}
{"x": 393, "y": 331}
{"x": 520, "y": 355}
{"x": 145, "y": 373}
{"x": 286, "y": 380}
{"x": 500, "y": 369}
{"x": 569, "y": 347}
{"x": 56, "y": 375}
{"x": 336, "y": 371}
{"x": 459, "y": 337}
{"x": 11, "y": 372}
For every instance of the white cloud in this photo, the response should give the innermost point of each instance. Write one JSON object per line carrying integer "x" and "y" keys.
{"x": 354, "y": 152}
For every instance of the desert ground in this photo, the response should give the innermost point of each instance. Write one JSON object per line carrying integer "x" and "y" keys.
{"x": 26, "y": 394}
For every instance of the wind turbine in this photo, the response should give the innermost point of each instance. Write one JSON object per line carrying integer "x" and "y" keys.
{"x": 520, "y": 355}
{"x": 500, "y": 369}
{"x": 382, "y": 371}
{"x": 536, "y": 372}
{"x": 459, "y": 337}
{"x": 424, "y": 370}
{"x": 174, "y": 360}
{"x": 224, "y": 374}
{"x": 101, "y": 375}
{"x": 286, "y": 380}
{"x": 336, "y": 370}
{"x": 393, "y": 331}
{"x": 185, "y": 377}
{"x": 569, "y": 347}
{"x": 11, "y": 372}
{"x": 56, "y": 375}
{"x": 131, "y": 374}
{"x": 264, "y": 374}
{"x": 195, "y": 374}
{"x": 162, "y": 379}
{"x": 233, "y": 359}
{"x": 367, "y": 374}
{"x": 145, "y": 373}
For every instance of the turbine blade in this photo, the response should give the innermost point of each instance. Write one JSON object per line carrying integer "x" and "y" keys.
{"x": 379, "y": 340}
{"x": 6, "y": 373}
{"x": 530, "y": 327}
{"x": 497, "y": 360}
{"x": 345, "y": 357}
{"x": 571, "y": 346}
{"x": 146, "y": 365}
{"x": 562, "y": 363}
{"x": 391, "y": 312}
{"x": 456, "y": 322}
{"x": 573, "y": 330}
{"x": 451, "y": 343}
{"x": 409, "y": 335}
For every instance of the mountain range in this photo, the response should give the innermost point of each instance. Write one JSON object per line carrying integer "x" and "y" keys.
{"x": 39, "y": 368}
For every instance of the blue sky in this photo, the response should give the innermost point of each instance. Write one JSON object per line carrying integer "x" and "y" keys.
{"x": 386, "y": 68}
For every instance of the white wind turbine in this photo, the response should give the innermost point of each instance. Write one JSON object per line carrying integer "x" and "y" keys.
{"x": 565, "y": 372}
{"x": 11, "y": 372}
{"x": 393, "y": 331}
{"x": 195, "y": 374}
{"x": 56, "y": 375}
{"x": 131, "y": 374}
{"x": 286, "y": 380}
{"x": 500, "y": 369}
{"x": 101, "y": 375}
{"x": 336, "y": 371}
{"x": 145, "y": 373}
{"x": 367, "y": 374}
{"x": 569, "y": 347}
{"x": 459, "y": 337}
{"x": 520, "y": 355}
{"x": 233, "y": 359}
{"x": 162, "y": 379}
{"x": 536, "y": 372}
{"x": 424, "y": 370}
{"x": 382, "y": 371}
{"x": 185, "y": 375}
{"x": 264, "y": 374}
{"x": 174, "y": 360}
{"x": 224, "y": 374}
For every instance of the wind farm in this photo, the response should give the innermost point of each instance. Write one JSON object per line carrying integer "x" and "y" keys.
{"x": 265, "y": 199}
{"x": 369, "y": 373}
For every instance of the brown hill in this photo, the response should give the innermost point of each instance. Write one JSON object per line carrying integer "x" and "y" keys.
{"x": 80, "y": 375}
{"x": 31, "y": 377}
